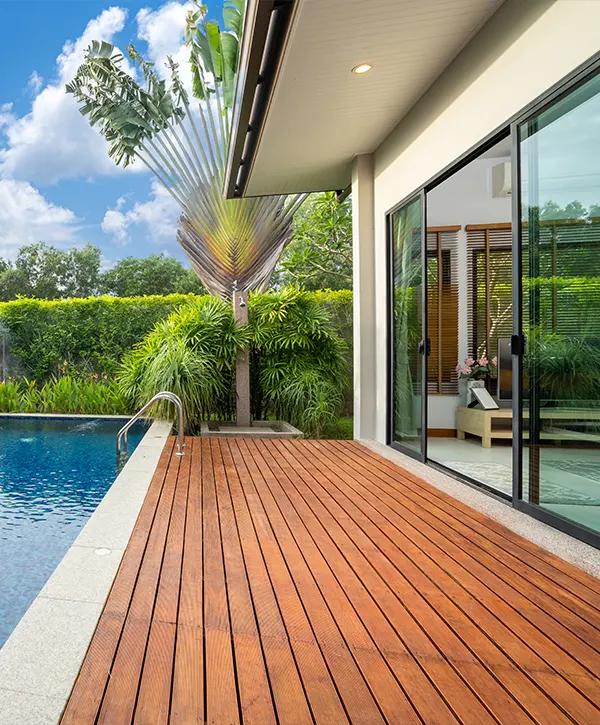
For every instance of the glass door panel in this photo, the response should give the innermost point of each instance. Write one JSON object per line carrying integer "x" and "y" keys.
{"x": 560, "y": 218}
{"x": 408, "y": 354}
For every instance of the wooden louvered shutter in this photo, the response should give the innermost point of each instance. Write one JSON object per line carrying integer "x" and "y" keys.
{"x": 442, "y": 309}
{"x": 489, "y": 287}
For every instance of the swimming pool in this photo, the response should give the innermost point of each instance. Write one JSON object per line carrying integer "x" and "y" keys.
{"x": 53, "y": 474}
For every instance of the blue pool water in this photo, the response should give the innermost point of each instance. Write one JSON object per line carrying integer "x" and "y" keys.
{"x": 53, "y": 474}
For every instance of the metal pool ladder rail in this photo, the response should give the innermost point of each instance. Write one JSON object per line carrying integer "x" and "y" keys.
{"x": 164, "y": 395}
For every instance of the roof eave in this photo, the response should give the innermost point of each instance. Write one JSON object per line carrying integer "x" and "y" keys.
{"x": 266, "y": 27}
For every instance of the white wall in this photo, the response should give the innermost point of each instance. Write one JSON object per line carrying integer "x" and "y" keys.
{"x": 519, "y": 54}
{"x": 363, "y": 260}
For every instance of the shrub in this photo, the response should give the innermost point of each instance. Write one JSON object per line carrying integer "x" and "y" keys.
{"x": 188, "y": 344}
{"x": 297, "y": 360}
{"x": 91, "y": 334}
{"x": 94, "y": 334}
{"x": 64, "y": 394}
{"x": 192, "y": 354}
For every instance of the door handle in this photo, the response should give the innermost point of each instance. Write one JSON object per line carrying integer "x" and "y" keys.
{"x": 425, "y": 346}
{"x": 517, "y": 345}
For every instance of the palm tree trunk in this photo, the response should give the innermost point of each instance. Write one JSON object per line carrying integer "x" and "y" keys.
{"x": 242, "y": 369}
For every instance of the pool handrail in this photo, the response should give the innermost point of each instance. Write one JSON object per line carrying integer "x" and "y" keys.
{"x": 163, "y": 395}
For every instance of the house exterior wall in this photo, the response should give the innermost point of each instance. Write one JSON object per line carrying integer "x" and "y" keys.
{"x": 363, "y": 260}
{"x": 518, "y": 55}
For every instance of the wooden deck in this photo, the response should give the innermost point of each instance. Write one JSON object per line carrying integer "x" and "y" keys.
{"x": 298, "y": 582}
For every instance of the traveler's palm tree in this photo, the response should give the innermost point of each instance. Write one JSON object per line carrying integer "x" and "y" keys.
{"x": 232, "y": 244}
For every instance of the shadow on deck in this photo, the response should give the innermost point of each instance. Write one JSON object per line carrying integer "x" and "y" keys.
{"x": 294, "y": 582}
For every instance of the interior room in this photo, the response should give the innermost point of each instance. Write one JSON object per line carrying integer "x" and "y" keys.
{"x": 470, "y": 319}
{"x": 469, "y": 309}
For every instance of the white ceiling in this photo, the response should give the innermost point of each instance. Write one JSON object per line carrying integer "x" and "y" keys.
{"x": 321, "y": 115}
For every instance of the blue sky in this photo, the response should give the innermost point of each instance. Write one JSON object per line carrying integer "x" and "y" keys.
{"x": 57, "y": 183}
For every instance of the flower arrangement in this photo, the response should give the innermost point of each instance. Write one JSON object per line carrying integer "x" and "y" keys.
{"x": 473, "y": 369}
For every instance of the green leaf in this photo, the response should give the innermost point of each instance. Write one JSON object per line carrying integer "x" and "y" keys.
{"x": 229, "y": 45}
{"x": 202, "y": 47}
{"x": 232, "y": 20}
{"x": 213, "y": 34}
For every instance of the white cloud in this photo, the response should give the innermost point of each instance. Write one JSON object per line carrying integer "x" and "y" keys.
{"x": 116, "y": 224}
{"x": 35, "y": 83}
{"x": 54, "y": 141}
{"x": 26, "y": 217}
{"x": 158, "y": 217}
{"x": 163, "y": 31}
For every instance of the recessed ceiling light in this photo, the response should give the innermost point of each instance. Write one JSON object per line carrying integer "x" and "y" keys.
{"x": 362, "y": 68}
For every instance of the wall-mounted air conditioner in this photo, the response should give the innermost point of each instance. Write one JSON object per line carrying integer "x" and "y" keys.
{"x": 501, "y": 180}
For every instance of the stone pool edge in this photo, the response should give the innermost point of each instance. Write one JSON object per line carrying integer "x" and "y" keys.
{"x": 41, "y": 659}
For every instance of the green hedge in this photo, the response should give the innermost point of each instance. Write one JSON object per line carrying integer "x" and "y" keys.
{"x": 92, "y": 335}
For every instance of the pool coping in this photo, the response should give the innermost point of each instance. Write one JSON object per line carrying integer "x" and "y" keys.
{"x": 40, "y": 661}
{"x": 73, "y": 416}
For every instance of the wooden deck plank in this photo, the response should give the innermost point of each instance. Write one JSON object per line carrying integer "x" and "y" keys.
{"x": 475, "y": 656}
{"x": 90, "y": 685}
{"x": 525, "y": 552}
{"x": 407, "y": 639}
{"x": 187, "y": 702}
{"x": 154, "y": 697}
{"x": 472, "y": 539}
{"x": 580, "y": 641}
{"x": 321, "y": 691}
{"x": 121, "y": 692}
{"x": 353, "y": 678}
{"x": 522, "y": 654}
{"x": 427, "y": 700}
{"x": 288, "y": 692}
{"x": 314, "y": 582}
{"x": 253, "y": 681}
{"x": 392, "y": 700}
{"x": 222, "y": 697}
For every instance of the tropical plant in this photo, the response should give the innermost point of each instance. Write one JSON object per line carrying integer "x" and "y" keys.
{"x": 94, "y": 334}
{"x": 562, "y": 367}
{"x": 63, "y": 394}
{"x": 232, "y": 244}
{"x": 319, "y": 255}
{"x": 479, "y": 369}
{"x": 192, "y": 353}
{"x": 298, "y": 360}
{"x": 10, "y": 400}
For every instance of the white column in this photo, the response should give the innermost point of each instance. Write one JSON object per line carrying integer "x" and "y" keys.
{"x": 363, "y": 243}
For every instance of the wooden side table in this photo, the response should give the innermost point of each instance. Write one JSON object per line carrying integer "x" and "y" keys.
{"x": 480, "y": 422}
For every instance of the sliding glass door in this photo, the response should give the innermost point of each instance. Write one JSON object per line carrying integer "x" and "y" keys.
{"x": 560, "y": 260}
{"x": 408, "y": 355}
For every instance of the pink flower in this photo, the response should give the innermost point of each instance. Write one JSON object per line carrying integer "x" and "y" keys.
{"x": 458, "y": 368}
{"x": 495, "y": 361}
{"x": 469, "y": 361}
{"x": 467, "y": 370}
{"x": 483, "y": 361}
